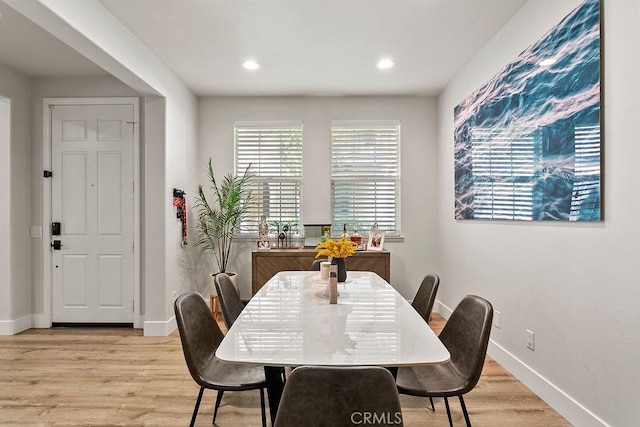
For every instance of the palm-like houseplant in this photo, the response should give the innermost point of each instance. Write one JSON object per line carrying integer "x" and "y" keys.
{"x": 219, "y": 220}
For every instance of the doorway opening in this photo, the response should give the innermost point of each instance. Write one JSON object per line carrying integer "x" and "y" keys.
{"x": 90, "y": 208}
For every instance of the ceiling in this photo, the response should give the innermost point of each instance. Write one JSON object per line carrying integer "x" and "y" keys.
{"x": 305, "y": 47}
{"x": 31, "y": 50}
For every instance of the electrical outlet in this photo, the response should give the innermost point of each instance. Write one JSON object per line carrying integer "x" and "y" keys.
{"x": 530, "y": 340}
{"x": 497, "y": 319}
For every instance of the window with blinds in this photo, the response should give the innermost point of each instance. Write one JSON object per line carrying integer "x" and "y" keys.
{"x": 365, "y": 175}
{"x": 274, "y": 151}
{"x": 504, "y": 171}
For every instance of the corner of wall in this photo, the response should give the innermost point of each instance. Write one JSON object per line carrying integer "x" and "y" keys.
{"x": 12, "y": 327}
{"x": 542, "y": 387}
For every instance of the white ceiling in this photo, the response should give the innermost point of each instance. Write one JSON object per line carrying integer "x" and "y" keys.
{"x": 305, "y": 47}
{"x": 33, "y": 51}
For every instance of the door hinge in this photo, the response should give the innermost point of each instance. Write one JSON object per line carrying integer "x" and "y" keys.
{"x": 134, "y": 126}
{"x": 133, "y": 306}
{"x": 133, "y": 247}
{"x": 48, "y": 174}
{"x": 133, "y": 187}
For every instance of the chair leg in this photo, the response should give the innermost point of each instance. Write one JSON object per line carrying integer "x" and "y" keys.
{"x": 464, "y": 411}
{"x": 433, "y": 408}
{"x": 263, "y": 409}
{"x": 195, "y": 410}
{"x": 218, "y": 400}
{"x": 446, "y": 403}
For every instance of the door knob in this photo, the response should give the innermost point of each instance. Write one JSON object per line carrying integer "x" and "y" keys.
{"x": 56, "y": 245}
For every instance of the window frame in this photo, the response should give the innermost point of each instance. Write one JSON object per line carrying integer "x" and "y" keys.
{"x": 367, "y": 176}
{"x": 250, "y": 224}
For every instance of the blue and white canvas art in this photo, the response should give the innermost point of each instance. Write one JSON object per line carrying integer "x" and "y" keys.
{"x": 527, "y": 143}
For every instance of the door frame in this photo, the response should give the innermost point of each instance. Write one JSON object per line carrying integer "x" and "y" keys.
{"x": 47, "y": 255}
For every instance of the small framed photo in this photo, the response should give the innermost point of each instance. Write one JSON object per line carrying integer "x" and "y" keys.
{"x": 376, "y": 240}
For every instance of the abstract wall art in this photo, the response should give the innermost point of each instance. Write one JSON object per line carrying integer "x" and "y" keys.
{"x": 527, "y": 143}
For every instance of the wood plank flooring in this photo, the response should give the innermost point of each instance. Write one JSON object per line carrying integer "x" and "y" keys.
{"x": 115, "y": 376}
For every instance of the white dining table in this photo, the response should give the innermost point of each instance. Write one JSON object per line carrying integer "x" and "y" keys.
{"x": 290, "y": 322}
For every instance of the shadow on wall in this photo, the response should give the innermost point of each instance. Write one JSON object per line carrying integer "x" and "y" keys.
{"x": 195, "y": 265}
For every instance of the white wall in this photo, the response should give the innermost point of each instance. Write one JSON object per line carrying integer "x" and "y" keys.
{"x": 93, "y": 31}
{"x": 411, "y": 258}
{"x": 181, "y": 172}
{"x": 575, "y": 285}
{"x": 5, "y": 208}
{"x": 15, "y": 286}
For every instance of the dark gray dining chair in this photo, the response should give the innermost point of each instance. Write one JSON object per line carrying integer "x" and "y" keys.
{"x": 315, "y": 265}
{"x": 466, "y": 336}
{"x": 423, "y": 302}
{"x": 200, "y": 336}
{"x": 230, "y": 301}
{"x": 331, "y": 396}
{"x": 426, "y": 296}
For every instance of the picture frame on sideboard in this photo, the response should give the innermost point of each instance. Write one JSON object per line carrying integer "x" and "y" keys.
{"x": 376, "y": 240}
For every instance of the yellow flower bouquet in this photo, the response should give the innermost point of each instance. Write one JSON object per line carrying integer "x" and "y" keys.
{"x": 343, "y": 248}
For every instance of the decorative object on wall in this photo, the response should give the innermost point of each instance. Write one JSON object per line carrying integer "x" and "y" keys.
{"x": 180, "y": 202}
{"x": 527, "y": 143}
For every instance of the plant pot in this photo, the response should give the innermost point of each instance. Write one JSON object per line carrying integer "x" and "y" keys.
{"x": 212, "y": 282}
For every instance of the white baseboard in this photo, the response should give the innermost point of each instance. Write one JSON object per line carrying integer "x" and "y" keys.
{"x": 442, "y": 309}
{"x": 159, "y": 328}
{"x": 12, "y": 327}
{"x": 560, "y": 401}
{"x": 39, "y": 321}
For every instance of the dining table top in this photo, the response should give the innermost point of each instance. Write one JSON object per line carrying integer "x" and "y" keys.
{"x": 290, "y": 322}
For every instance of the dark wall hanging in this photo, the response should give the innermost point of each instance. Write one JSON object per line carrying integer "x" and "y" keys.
{"x": 180, "y": 203}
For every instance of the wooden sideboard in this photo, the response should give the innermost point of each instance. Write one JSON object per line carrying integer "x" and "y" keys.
{"x": 265, "y": 264}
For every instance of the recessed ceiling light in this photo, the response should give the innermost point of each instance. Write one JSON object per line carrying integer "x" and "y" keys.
{"x": 385, "y": 63}
{"x": 251, "y": 65}
{"x": 547, "y": 62}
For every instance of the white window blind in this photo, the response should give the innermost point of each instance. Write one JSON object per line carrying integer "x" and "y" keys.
{"x": 365, "y": 175}
{"x": 274, "y": 151}
{"x": 504, "y": 170}
{"x": 585, "y": 198}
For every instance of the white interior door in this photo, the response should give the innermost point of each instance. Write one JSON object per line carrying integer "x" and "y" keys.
{"x": 92, "y": 199}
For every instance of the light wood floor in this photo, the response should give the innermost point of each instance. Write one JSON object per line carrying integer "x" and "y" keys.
{"x": 111, "y": 376}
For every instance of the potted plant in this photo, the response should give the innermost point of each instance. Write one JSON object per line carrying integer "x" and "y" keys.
{"x": 337, "y": 253}
{"x": 220, "y": 217}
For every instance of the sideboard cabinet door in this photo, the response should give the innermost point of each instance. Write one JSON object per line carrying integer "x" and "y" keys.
{"x": 265, "y": 264}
